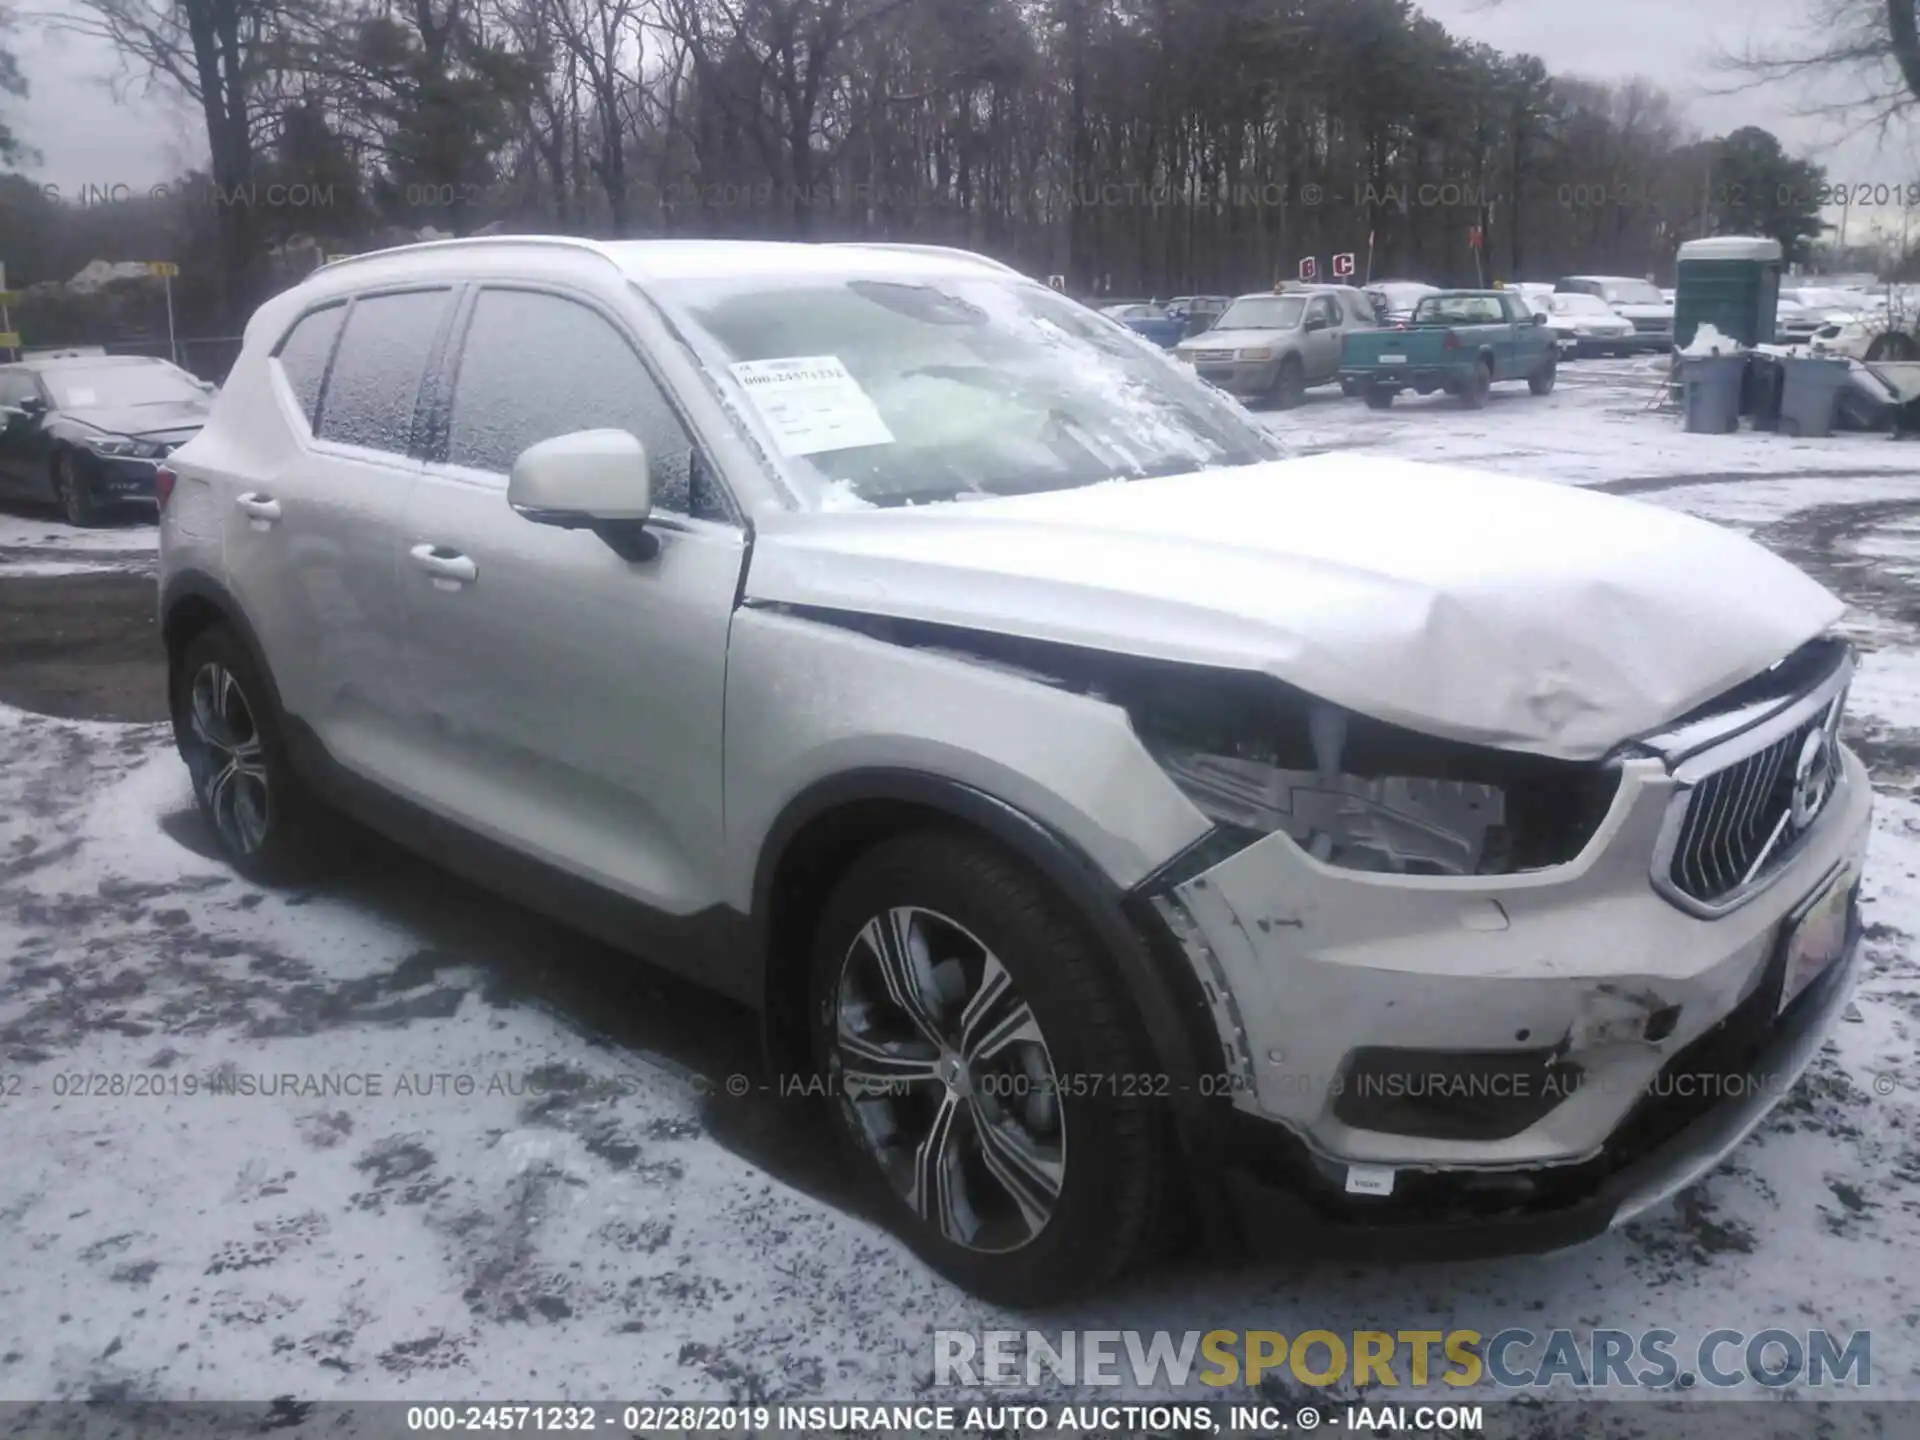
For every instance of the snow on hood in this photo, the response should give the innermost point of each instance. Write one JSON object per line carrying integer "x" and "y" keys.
{"x": 1481, "y": 607}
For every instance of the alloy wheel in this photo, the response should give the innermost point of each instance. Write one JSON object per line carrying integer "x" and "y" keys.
{"x": 75, "y": 504}
{"x": 228, "y": 764}
{"x": 948, "y": 1080}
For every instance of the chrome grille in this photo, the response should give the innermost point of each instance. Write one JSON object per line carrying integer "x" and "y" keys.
{"x": 1648, "y": 326}
{"x": 1212, "y": 356}
{"x": 1735, "y": 816}
{"x": 1745, "y": 805}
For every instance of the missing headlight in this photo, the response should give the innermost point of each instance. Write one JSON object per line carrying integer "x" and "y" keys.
{"x": 1258, "y": 757}
{"x": 1400, "y": 824}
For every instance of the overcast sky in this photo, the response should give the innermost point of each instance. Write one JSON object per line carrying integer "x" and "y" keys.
{"x": 87, "y": 137}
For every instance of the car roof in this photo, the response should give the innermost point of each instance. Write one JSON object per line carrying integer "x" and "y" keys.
{"x": 647, "y": 261}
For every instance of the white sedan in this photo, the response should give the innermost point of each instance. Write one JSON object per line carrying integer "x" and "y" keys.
{"x": 1585, "y": 325}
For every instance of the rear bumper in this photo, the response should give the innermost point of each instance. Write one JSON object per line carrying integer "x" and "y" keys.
{"x": 1425, "y": 378}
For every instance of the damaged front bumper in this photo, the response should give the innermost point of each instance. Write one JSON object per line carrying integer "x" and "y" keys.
{"x": 1437, "y": 1065}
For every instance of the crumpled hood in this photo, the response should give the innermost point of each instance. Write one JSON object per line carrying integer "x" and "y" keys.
{"x": 1481, "y": 607}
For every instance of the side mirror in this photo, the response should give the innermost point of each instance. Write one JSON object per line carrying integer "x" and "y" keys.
{"x": 588, "y": 480}
{"x": 1539, "y": 317}
{"x": 1316, "y": 322}
{"x": 33, "y": 407}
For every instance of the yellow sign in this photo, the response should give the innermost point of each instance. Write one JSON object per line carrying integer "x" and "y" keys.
{"x": 164, "y": 268}
{"x": 10, "y": 297}
{"x": 9, "y": 339}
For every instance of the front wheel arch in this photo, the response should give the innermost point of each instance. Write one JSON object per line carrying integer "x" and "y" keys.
{"x": 826, "y": 828}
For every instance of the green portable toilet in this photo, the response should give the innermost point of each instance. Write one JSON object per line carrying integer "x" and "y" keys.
{"x": 1731, "y": 282}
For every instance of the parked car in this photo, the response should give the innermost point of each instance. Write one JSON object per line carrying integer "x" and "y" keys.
{"x": 88, "y": 431}
{"x": 1149, "y": 320}
{"x": 1394, "y": 299}
{"x": 1095, "y": 846}
{"x": 1635, "y": 300}
{"x": 1874, "y": 328}
{"x": 1272, "y": 348}
{"x": 1459, "y": 341}
{"x": 1590, "y": 326}
{"x": 1564, "y": 343}
{"x": 1199, "y": 311}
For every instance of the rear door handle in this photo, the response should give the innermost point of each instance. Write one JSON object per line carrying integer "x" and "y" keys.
{"x": 444, "y": 565}
{"x": 259, "y": 507}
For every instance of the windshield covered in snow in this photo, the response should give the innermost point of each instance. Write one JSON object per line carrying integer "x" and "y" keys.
{"x": 113, "y": 386}
{"x": 877, "y": 391}
{"x": 1263, "y": 312}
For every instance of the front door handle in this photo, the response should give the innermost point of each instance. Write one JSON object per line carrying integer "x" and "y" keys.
{"x": 444, "y": 564}
{"x": 259, "y": 507}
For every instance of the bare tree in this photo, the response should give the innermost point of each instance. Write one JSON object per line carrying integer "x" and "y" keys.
{"x": 227, "y": 56}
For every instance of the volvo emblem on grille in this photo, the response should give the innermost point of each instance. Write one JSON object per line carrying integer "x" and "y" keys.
{"x": 1812, "y": 777}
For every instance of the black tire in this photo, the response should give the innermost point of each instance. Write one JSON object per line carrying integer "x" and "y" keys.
{"x": 1473, "y": 392}
{"x": 268, "y": 824}
{"x": 967, "y": 908}
{"x": 70, "y": 488}
{"x": 1289, "y": 385}
{"x": 1378, "y": 397}
{"x": 1541, "y": 381}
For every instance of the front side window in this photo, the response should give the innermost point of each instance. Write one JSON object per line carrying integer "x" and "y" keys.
{"x": 303, "y": 355}
{"x": 374, "y": 385}
{"x": 117, "y": 385}
{"x": 888, "y": 391}
{"x": 534, "y": 366}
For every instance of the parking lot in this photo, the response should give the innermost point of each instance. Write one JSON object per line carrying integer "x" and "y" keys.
{"x": 391, "y": 1137}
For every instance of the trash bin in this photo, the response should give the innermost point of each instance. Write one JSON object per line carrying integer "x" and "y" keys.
{"x": 1760, "y": 397}
{"x": 1811, "y": 395}
{"x": 1712, "y": 390}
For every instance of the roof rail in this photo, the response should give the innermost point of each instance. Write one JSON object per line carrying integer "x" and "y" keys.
{"x": 911, "y": 249}
{"x": 570, "y": 242}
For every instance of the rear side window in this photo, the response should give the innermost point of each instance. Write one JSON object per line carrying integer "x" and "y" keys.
{"x": 375, "y": 382}
{"x": 535, "y": 365}
{"x": 303, "y": 355}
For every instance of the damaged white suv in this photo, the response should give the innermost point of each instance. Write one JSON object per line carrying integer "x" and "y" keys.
{"x": 1124, "y": 822}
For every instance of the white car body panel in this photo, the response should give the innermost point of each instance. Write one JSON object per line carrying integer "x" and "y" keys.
{"x": 1603, "y": 619}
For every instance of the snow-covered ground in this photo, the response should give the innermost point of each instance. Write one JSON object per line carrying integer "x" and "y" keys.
{"x": 529, "y": 1178}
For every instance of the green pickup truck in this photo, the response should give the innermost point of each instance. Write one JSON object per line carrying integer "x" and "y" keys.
{"x": 1459, "y": 341}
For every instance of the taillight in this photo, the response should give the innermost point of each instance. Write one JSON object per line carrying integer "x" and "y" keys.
{"x": 163, "y": 479}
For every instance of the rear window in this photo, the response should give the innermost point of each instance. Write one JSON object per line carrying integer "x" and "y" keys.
{"x": 374, "y": 384}
{"x": 1459, "y": 310}
{"x": 303, "y": 355}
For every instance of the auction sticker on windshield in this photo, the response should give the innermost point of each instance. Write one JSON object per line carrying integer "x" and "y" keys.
{"x": 812, "y": 404}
